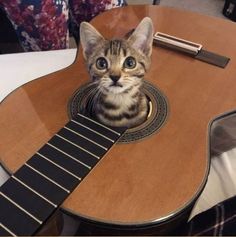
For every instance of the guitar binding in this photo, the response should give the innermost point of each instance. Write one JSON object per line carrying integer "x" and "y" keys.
{"x": 157, "y": 116}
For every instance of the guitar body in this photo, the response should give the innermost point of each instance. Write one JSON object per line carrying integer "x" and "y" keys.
{"x": 147, "y": 186}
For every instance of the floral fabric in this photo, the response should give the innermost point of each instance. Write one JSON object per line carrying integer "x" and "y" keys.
{"x": 46, "y": 24}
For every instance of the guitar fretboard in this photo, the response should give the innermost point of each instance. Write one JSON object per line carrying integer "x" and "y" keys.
{"x": 38, "y": 188}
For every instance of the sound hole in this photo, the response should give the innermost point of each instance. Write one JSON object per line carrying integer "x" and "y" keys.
{"x": 158, "y": 111}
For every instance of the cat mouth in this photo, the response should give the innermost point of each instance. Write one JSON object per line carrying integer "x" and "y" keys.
{"x": 116, "y": 85}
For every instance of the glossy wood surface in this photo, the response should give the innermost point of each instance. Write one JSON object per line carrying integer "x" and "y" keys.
{"x": 148, "y": 180}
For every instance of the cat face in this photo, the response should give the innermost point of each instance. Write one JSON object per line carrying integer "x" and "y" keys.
{"x": 118, "y": 65}
{"x": 117, "y": 68}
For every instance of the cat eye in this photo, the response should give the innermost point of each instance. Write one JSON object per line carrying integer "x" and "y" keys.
{"x": 130, "y": 63}
{"x": 101, "y": 63}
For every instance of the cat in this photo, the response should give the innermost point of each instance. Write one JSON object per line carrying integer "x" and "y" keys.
{"x": 117, "y": 67}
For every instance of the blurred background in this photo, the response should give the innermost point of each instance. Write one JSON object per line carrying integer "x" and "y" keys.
{"x": 9, "y": 41}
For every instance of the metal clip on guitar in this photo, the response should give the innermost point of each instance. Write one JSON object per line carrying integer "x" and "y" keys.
{"x": 190, "y": 48}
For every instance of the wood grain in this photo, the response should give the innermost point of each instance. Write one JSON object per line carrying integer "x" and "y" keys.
{"x": 158, "y": 177}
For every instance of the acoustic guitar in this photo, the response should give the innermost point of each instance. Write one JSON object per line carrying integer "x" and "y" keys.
{"x": 145, "y": 180}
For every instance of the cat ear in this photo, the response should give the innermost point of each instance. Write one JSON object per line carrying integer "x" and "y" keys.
{"x": 89, "y": 38}
{"x": 142, "y": 38}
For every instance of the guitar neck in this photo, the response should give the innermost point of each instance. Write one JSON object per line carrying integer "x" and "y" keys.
{"x": 40, "y": 186}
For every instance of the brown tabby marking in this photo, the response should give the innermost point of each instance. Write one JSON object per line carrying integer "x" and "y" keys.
{"x": 117, "y": 68}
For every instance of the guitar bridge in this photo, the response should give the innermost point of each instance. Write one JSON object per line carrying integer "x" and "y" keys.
{"x": 172, "y": 42}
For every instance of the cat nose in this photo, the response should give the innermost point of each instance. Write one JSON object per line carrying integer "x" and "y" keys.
{"x": 114, "y": 78}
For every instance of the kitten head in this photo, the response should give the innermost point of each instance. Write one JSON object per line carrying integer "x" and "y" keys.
{"x": 117, "y": 65}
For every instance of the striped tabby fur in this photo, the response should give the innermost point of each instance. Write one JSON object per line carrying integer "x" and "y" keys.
{"x": 117, "y": 67}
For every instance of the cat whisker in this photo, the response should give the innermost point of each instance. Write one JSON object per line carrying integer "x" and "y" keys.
{"x": 94, "y": 82}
